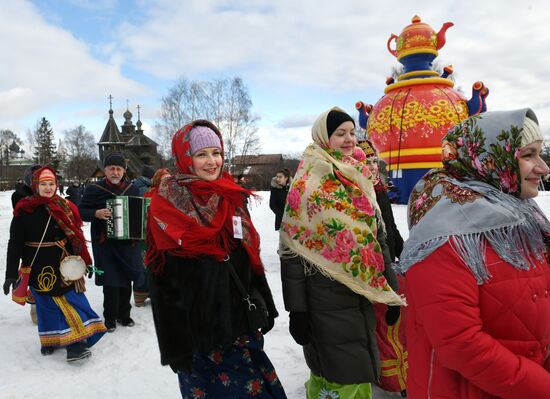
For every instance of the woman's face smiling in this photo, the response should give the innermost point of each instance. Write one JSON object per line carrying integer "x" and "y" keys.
{"x": 207, "y": 163}
{"x": 531, "y": 169}
{"x": 343, "y": 138}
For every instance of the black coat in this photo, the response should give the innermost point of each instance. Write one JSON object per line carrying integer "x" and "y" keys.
{"x": 343, "y": 347}
{"x": 29, "y": 227}
{"x": 394, "y": 241}
{"x": 120, "y": 260}
{"x": 74, "y": 194}
{"x": 197, "y": 306}
{"x": 21, "y": 191}
{"x": 277, "y": 201}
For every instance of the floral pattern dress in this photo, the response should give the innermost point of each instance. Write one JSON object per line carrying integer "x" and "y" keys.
{"x": 241, "y": 370}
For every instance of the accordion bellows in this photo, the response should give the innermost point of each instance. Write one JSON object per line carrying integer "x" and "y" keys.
{"x": 129, "y": 217}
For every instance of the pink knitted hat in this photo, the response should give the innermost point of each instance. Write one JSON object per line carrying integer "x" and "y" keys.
{"x": 203, "y": 137}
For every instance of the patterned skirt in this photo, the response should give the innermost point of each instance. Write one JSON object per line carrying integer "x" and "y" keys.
{"x": 241, "y": 370}
{"x": 66, "y": 319}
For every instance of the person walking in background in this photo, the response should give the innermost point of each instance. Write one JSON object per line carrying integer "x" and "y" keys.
{"x": 44, "y": 230}
{"x": 156, "y": 180}
{"x": 119, "y": 260}
{"x": 143, "y": 184}
{"x": 391, "y": 339}
{"x": 394, "y": 240}
{"x": 478, "y": 281}
{"x": 23, "y": 187}
{"x": 204, "y": 266}
{"x": 74, "y": 193}
{"x": 333, "y": 264}
{"x": 279, "y": 190}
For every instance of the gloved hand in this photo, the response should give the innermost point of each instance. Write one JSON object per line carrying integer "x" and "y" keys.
{"x": 183, "y": 365}
{"x": 392, "y": 315}
{"x": 90, "y": 271}
{"x": 299, "y": 327}
{"x": 270, "y": 324}
{"x": 7, "y": 284}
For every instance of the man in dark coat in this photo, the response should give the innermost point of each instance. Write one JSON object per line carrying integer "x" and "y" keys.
{"x": 120, "y": 260}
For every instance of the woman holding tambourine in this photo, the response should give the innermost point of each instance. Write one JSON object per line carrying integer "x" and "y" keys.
{"x": 46, "y": 236}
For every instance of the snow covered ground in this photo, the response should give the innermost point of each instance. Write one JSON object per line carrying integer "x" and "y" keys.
{"x": 126, "y": 363}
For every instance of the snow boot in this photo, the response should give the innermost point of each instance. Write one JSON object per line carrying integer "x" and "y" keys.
{"x": 127, "y": 322}
{"x": 47, "y": 350}
{"x": 77, "y": 351}
{"x": 111, "y": 325}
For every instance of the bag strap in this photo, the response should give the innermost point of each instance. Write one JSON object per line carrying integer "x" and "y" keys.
{"x": 239, "y": 284}
{"x": 110, "y": 192}
{"x": 41, "y": 240}
{"x": 236, "y": 278}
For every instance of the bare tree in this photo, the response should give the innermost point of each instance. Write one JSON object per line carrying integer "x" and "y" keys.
{"x": 80, "y": 148}
{"x": 225, "y": 102}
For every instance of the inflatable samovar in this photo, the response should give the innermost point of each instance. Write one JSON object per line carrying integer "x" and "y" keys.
{"x": 407, "y": 124}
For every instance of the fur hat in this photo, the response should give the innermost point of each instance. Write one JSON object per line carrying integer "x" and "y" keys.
{"x": 203, "y": 137}
{"x": 114, "y": 159}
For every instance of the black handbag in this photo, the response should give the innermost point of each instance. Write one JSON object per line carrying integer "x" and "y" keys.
{"x": 256, "y": 310}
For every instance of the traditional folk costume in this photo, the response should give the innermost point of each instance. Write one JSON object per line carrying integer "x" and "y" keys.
{"x": 43, "y": 231}
{"x": 391, "y": 337}
{"x": 478, "y": 280}
{"x": 199, "y": 312}
{"x": 333, "y": 267}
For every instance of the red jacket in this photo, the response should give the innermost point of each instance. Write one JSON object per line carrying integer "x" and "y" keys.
{"x": 477, "y": 341}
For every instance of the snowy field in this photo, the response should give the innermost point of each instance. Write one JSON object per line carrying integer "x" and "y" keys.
{"x": 126, "y": 363}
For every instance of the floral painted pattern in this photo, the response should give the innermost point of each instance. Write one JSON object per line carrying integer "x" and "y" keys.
{"x": 423, "y": 198}
{"x": 240, "y": 370}
{"x": 467, "y": 154}
{"x": 331, "y": 220}
{"x": 328, "y": 394}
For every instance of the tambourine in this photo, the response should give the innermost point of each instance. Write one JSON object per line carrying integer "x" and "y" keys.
{"x": 72, "y": 268}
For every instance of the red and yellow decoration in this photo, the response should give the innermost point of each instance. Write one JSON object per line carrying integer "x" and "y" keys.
{"x": 407, "y": 124}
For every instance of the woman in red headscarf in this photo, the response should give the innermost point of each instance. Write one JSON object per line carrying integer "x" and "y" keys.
{"x": 203, "y": 258}
{"x": 44, "y": 231}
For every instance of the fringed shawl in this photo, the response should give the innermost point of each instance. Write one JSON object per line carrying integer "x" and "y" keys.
{"x": 330, "y": 220}
{"x": 191, "y": 218}
{"x": 474, "y": 200}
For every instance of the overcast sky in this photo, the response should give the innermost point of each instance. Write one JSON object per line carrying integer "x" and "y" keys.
{"x": 62, "y": 58}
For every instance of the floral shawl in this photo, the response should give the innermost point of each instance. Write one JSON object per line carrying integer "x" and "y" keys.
{"x": 474, "y": 200}
{"x": 330, "y": 219}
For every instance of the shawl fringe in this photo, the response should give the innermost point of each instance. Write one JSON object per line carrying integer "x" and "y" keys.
{"x": 520, "y": 244}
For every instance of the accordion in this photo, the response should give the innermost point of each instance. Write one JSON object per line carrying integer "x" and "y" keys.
{"x": 129, "y": 215}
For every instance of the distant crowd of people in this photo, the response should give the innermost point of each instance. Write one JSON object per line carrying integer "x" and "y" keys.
{"x": 461, "y": 309}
